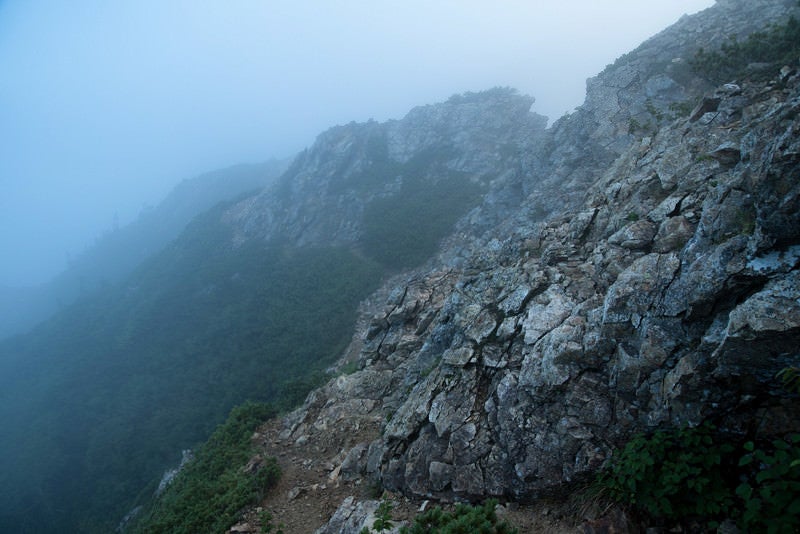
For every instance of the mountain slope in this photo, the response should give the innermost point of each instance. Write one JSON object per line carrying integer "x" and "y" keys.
{"x": 116, "y": 254}
{"x": 529, "y": 299}
{"x": 364, "y": 184}
{"x": 253, "y": 301}
{"x": 648, "y": 278}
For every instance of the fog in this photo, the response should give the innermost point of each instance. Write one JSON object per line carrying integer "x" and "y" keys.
{"x": 105, "y": 106}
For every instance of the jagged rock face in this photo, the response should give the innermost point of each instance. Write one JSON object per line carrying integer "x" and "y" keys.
{"x": 642, "y": 91}
{"x": 670, "y": 297}
{"x": 645, "y": 84}
{"x": 322, "y": 197}
{"x": 667, "y": 296}
{"x": 617, "y": 281}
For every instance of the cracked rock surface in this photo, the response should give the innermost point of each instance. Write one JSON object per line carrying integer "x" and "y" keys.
{"x": 514, "y": 370}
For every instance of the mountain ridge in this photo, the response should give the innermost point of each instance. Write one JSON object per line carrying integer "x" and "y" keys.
{"x": 530, "y": 298}
{"x": 115, "y": 254}
{"x": 533, "y": 347}
{"x": 253, "y": 300}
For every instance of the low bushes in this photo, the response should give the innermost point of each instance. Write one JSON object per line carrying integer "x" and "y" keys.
{"x": 699, "y": 475}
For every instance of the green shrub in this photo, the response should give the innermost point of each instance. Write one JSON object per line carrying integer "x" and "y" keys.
{"x": 465, "y": 519}
{"x": 383, "y": 518}
{"x": 698, "y": 474}
{"x": 790, "y": 376}
{"x": 680, "y": 109}
{"x": 209, "y": 494}
{"x": 776, "y": 46}
{"x": 672, "y": 474}
{"x": 117, "y": 386}
{"x": 267, "y": 527}
{"x": 654, "y": 112}
{"x": 771, "y": 487}
{"x": 349, "y": 368}
{"x": 404, "y": 229}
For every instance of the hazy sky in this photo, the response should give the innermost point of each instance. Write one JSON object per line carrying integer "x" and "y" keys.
{"x": 107, "y": 104}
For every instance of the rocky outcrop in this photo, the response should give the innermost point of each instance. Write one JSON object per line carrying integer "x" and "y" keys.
{"x": 634, "y": 266}
{"x": 644, "y": 90}
{"x": 659, "y": 287}
{"x": 669, "y": 298}
{"x": 352, "y": 516}
{"x": 322, "y": 197}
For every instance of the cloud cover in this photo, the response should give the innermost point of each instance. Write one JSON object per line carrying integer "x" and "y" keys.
{"x": 104, "y": 106}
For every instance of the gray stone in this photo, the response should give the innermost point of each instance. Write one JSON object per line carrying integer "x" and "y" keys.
{"x": 441, "y": 475}
{"x": 354, "y": 464}
{"x": 512, "y": 304}
{"x": 350, "y": 517}
{"x": 673, "y": 234}
{"x": 468, "y": 480}
{"x": 551, "y": 326}
{"x": 637, "y": 235}
{"x": 546, "y": 312}
{"x": 638, "y": 288}
{"x": 458, "y": 357}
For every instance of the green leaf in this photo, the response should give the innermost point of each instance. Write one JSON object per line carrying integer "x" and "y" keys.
{"x": 780, "y": 445}
{"x": 744, "y": 491}
{"x": 666, "y": 506}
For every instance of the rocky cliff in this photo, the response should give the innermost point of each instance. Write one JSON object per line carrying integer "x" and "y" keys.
{"x": 322, "y": 199}
{"x": 632, "y": 267}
